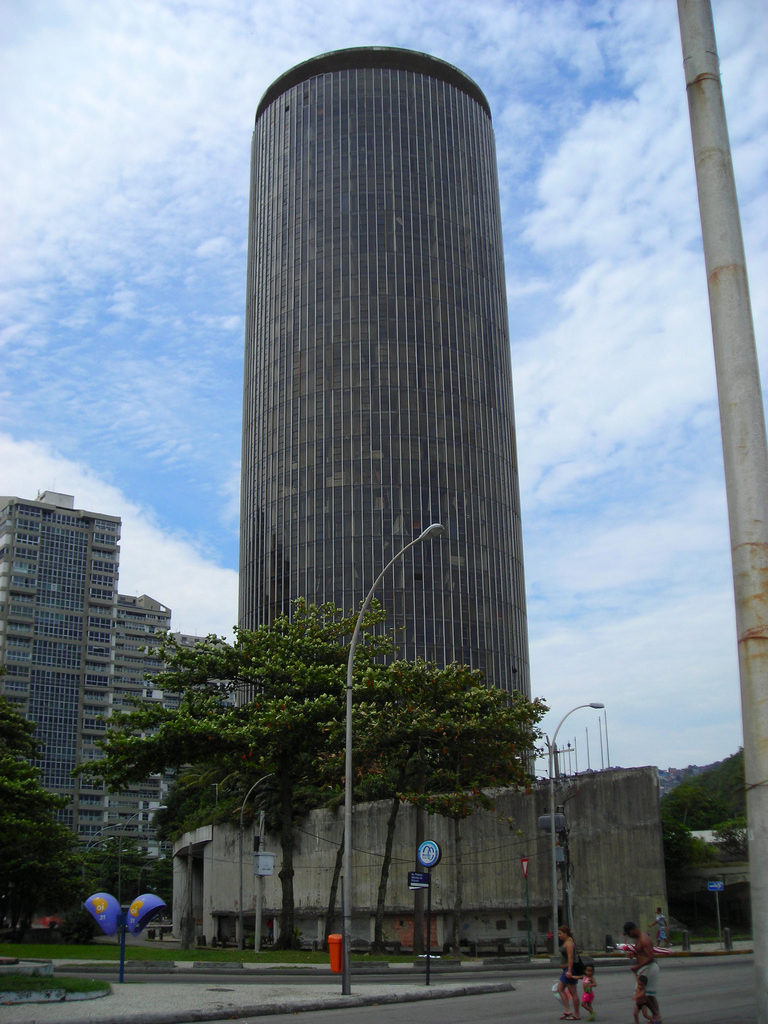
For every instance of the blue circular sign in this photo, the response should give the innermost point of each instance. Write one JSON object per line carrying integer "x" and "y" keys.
{"x": 429, "y": 854}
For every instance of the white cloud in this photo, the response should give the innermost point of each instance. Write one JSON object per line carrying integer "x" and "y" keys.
{"x": 668, "y": 680}
{"x": 213, "y": 247}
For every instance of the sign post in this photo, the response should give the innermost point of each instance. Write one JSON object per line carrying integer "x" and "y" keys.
{"x": 428, "y": 855}
{"x": 524, "y": 865}
{"x": 717, "y": 888}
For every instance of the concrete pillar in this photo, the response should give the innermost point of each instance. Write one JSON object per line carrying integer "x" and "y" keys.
{"x": 742, "y": 423}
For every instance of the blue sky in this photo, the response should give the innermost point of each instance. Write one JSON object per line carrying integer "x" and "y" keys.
{"x": 124, "y": 151}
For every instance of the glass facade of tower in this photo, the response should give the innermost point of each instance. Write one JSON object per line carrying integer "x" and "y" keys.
{"x": 378, "y": 386}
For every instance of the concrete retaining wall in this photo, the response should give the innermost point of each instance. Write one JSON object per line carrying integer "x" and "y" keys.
{"x": 617, "y": 867}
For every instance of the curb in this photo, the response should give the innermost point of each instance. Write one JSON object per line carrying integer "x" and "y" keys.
{"x": 376, "y": 968}
{"x": 49, "y": 995}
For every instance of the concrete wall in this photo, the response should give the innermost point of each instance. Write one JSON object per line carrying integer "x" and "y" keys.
{"x": 615, "y": 846}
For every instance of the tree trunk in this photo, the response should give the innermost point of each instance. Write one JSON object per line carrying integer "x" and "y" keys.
{"x": 459, "y": 901}
{"x": 187, "y": 927}
{"x": 378, "y": 932}
{"x": 287, "y": 939}
{"x": 333, "y": 893}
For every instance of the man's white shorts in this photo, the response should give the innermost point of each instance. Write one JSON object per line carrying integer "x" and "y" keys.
{"x": 651, "y": 974}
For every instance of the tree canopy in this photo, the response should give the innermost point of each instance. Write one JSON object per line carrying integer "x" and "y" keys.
{"x": 263, "y": 706}
{"x": 694, "y": 807}
{"x": 731, "y": 838}
{"x": 714, "y": 799}
{"x": 37, "y": 863}
{"x": 713, "y": 796}
{"x": 271, "y": 706}
{"x": 441, "y": 740}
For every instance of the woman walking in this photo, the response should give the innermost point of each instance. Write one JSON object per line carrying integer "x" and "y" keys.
{"x": 573, "y": 971}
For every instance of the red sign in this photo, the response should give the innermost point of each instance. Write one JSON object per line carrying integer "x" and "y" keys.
{"x": 524, "y": 866}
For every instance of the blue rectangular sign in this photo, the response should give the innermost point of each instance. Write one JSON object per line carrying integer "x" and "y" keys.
{"x": 715, "y": 886}
{"x": 418, "y": 879}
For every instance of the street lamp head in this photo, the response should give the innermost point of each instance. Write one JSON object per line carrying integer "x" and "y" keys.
{"x": 597, "y": 704}
{"x": 435, "y": 530}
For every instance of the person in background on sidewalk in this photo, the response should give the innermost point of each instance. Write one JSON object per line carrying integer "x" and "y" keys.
{"x": 646, "y": 967}
{"x": 662, "y": 934}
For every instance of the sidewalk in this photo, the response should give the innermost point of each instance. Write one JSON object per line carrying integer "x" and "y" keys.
{"x": 212, "y": 999}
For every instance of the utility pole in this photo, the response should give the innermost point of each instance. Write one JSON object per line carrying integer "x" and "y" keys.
{"x": 742, "y": 423}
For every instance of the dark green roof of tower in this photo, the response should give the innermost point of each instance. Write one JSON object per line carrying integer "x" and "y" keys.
{"x": 359, "y": 57}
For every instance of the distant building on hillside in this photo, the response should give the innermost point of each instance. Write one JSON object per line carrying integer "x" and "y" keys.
{"x": 671, "y": 778}
{"x": 71, "y": 646}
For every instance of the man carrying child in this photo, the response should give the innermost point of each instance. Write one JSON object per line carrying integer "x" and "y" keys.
{"x": 647, "y": 971}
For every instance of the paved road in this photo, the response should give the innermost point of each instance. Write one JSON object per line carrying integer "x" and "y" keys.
{"x": 708, "y": 991}
{"x": 713, "y": 990}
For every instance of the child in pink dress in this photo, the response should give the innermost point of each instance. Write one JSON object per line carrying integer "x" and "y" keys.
{"x": 588, "y": 998}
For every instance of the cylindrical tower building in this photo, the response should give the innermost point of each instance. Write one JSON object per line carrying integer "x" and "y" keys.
{"x": 378, "y": 384}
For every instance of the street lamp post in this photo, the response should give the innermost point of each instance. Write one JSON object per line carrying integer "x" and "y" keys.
{"x": 551, "y": 745}
{"x": 95, "y": 837}
{"x": 127, "y": 822}
{"x": 94, "y": 841}
{"x": 435, "y": 530}
{"x": 240, "y": 923}
{"x": 120, "y": 856}
{"x": 151, "y": 861}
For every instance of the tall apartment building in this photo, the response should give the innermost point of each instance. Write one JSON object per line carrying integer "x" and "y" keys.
{"x": 378, "y": 382}
{"x": 70, "y": 645}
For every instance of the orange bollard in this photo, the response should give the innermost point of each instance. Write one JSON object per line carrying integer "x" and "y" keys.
{"x": 335, "y": 952}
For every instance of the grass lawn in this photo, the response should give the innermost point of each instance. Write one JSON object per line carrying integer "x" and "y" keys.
{"x": 27, "y": 983}
{"x": 111, "y": 951}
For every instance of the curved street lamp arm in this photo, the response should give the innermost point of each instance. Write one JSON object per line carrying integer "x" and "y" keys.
{"x": 96, "y": 835}
{"x": 257, "y": 783}
{"x": 593, "y": 704}
{"x": 431, "y": 531}
{"x": 434, "y": 530}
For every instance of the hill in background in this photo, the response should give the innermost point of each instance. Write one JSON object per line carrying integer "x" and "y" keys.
{"x": 701, "y": 798}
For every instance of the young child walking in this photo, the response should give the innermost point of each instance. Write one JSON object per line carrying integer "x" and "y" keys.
{"x": 588, "y": 996}
{"x": 641, "y": 1001}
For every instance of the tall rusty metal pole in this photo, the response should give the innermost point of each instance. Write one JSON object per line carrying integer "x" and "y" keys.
{"x": 742, "y": 422}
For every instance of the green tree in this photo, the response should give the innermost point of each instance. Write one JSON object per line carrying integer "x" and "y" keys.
{"x": 682, "y": 851}
{"x": 263, "y": 705}
{"x": 678, "y": 849}
{"x": 693, "y": 806}
{"x": 726, "y": 781}
{"x": 16, "y": 733}
{"x": 731, "y": 838}
{"x": 717, "y": 794}
{"x": 439, "y": 739}
{"x": 37, "y": 863}
{"x": 199, "y": 795}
